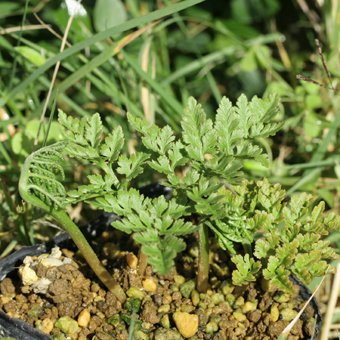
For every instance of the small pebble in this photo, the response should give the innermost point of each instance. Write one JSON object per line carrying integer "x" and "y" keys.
{"x": 217, "y": 298}
{"x": 167, "y": 299}
{"x": 164, "y": 309}
{"x": 7, "y": 287}
{"x": 230, "y": 298}
{"x": 211, "y": 327}
{"x": 288, "y": 314}
{"x": 226, "y": 289}
{"x": 95, "y": 287}
{"x": 135, "y": 292}
{"x": 150, "y": 285}
{"x": 68, "y": 253}
{"x": 84, "y": 318}
{"x": 282, "y": 297}
{"x": 165, "y": 321}
{"x": 67, "y": 325}
{"x": 187, "y": 308}
{"x": 195, "y": 297}
{"x": 140, "y": 335}
{"x": 132, "y": 260}
{"x": 176, "y": 296}
{"x": 28, "y": 275}
{"x": 254, "y": 316}
{"x": 167, "y": 334}
{"x": 179, "y": 279}
{"x": 98, "y": 298}
{"x": 56, "y": 253}
{"x": 51, "y": 262}
{"x": 239, "y": 316}
{"x": 147, "y": 325}
{"x": 45, "y": 325}
{"x": 174, "y": 287}
{"x": 41, "y": 286}
{"x": 187, "y": 287}
{"x": 239, "y": 301}
{"x": 249, "y": 307}
{"x": 5, "y": 299}
{"x": 274, "y": 313}
{"x": 187, "y": 324}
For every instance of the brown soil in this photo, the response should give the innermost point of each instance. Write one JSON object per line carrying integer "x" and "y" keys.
{"x": 224, "y": 312}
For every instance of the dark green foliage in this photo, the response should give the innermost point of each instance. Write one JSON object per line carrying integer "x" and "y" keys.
{"x": 196, "y": 165}
{"x": 156, "y": 224}
{"x": 210, "y": 148}
{"x": 264, "y": 234}
{"x": 246, "y": 269}
{"x": 286, "y": 235}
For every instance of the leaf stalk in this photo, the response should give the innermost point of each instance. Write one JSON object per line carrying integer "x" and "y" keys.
{"x": 203, "y": 259}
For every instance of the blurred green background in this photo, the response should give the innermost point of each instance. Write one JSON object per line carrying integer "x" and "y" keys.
{"x": 208, "y": 50}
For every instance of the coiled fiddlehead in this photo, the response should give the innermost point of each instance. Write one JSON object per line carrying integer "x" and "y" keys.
{"x": 40, "y": 177}
{"x": 39, "y": 185}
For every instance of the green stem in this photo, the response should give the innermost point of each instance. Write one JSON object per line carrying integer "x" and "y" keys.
{"x": 88, "y": 253}
{"x": 78, "y": 238}
{"x": 203, "y": 259}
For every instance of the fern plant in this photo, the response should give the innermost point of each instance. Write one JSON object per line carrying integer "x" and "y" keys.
{"x": 284, "y": 237}
{"x": 203, "y": 166}
{"x": 40, "y": 186}
{"x": 211, "y": 155}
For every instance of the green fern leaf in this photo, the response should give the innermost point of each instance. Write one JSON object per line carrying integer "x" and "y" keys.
{"x": 86, "y": 153}
{"x": 226, "y": 126}
{"x": 161, "y": 252}
{"x": 74, "y": 127}
{"x": 246, "y": 269}
{"x": 277, "y": 274}
{"x": 279, "y": 266}
{"x": 265, "y": 247}
{"x": 197, "y": 131}
{"x": 175, "y": 155}
{"x": 41, "y": 175}
{"x": 113, "y": 145}
{"x": 162, "y": 165}
{"x": 132, "y": 166}
{"x": 309, "y": 265}
{"x": 93, "y": 130}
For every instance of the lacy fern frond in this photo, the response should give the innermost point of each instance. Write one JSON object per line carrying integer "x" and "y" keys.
{"x": 40, "y": 186}
{"x": 41, "y": 175}
{"x": 246, "y": 269}
{"x": 157, "y": 224}
{"x": 238, "y": 127}
{"x": 212, "y": 148}
{"x": 161, "y": 252}
{"x": 88, "y": 142}
{"x": 263, "y": 232}
{"x": 286, "y": 235}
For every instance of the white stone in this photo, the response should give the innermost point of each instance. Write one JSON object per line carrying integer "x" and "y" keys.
{"x": 56, "y": 253}
{"x": 51, "y": 262}
{"x": 28, "y": 275}
{"x": 41, "y": 286}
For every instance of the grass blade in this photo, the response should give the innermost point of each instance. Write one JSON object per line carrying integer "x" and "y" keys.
{"x": 133, "y": 23}
{"x": 170, "y": 100}
{"x": 107, "y": 53}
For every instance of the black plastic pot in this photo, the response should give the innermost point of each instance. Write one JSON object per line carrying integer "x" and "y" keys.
{"x": 10, "y": 327}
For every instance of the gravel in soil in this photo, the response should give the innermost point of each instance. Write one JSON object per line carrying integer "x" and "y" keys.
{"x": 66, "y": 303}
